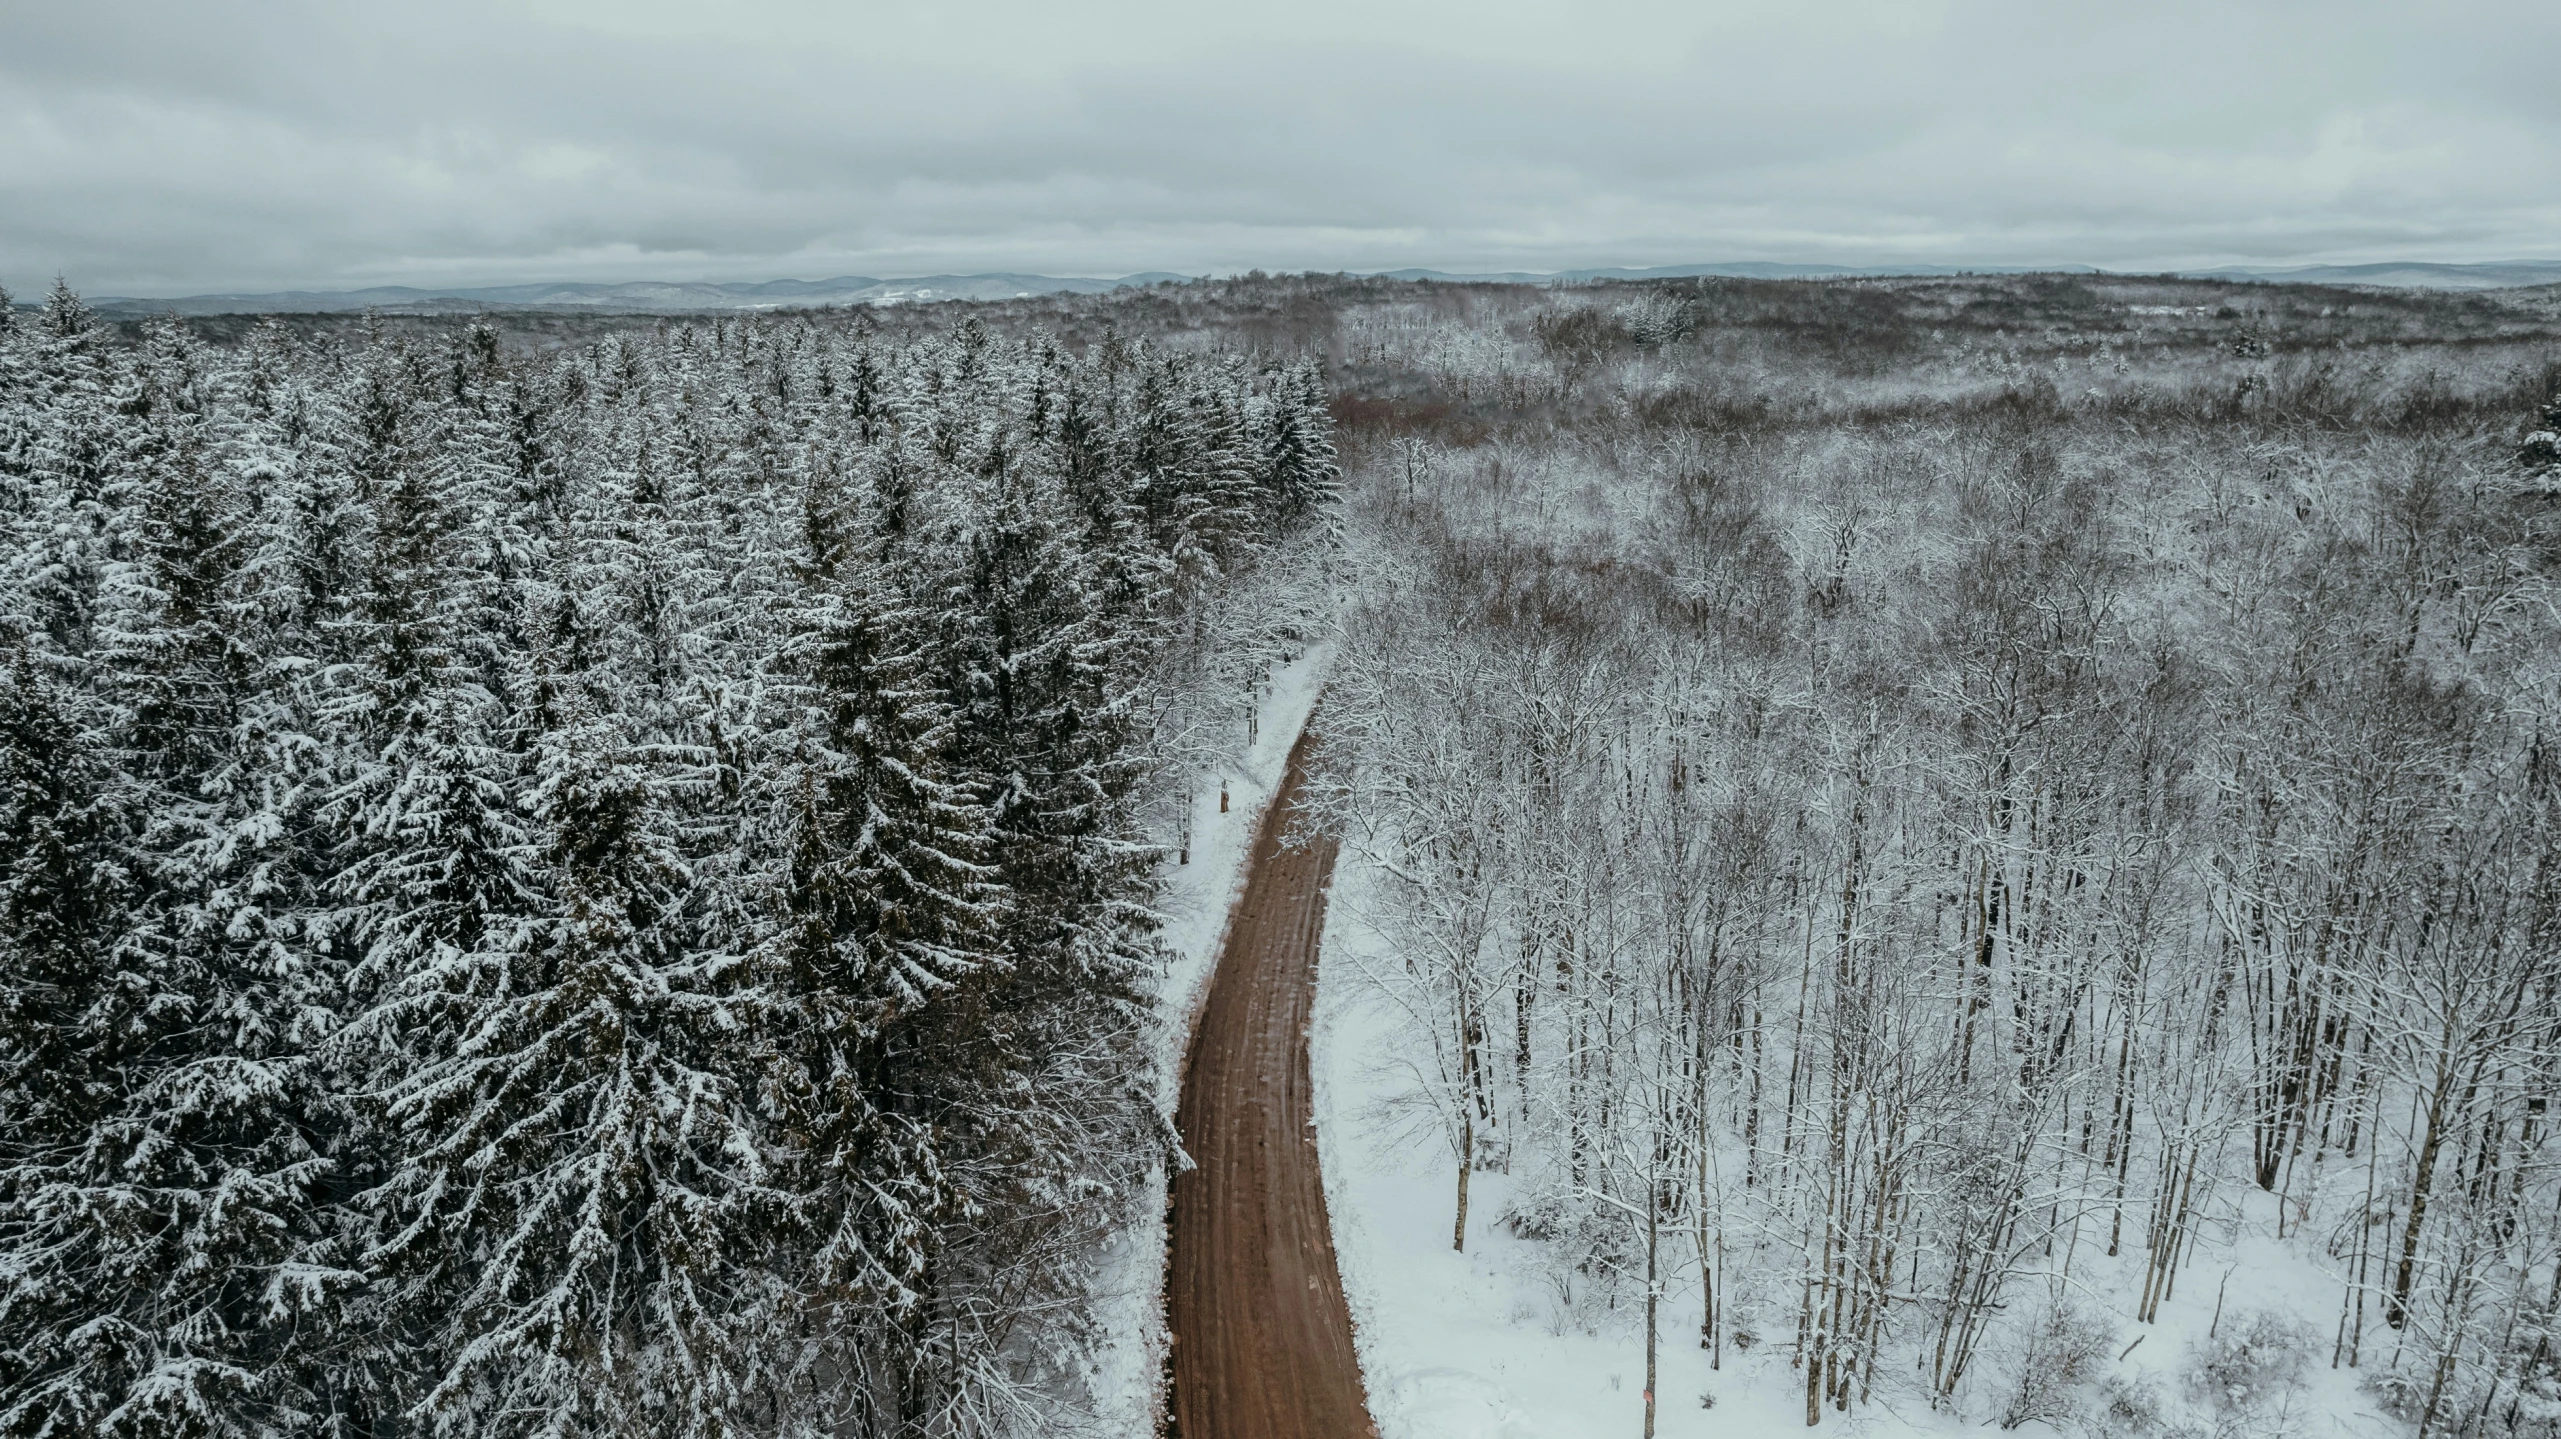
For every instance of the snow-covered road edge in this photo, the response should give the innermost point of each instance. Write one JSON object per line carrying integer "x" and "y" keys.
{"x": 1199, "y": 900}
{"x": 1333, "y": 1087}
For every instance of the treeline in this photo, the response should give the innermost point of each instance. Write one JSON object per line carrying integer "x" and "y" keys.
{"x": 1909, "y": 892}
{"x": 596, "y": 895}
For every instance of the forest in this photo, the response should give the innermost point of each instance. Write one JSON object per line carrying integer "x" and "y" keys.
{"x": 598, "y": 887}
{"x": 595, "y": 875}
{"x": 1913, "y": 824}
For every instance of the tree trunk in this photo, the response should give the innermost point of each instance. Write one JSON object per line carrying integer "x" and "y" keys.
{"x": 1653, "y": 1294}
{"x": 2396, "y": 1305}
{"x": 1466, "y": 1163}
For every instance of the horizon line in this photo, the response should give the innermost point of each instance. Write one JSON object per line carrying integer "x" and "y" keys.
{"x": 1681, "y": 270}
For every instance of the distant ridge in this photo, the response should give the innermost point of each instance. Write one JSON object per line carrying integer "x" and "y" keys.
{"x": 2408, "y": 274}
{"x": 681, "y": 297}
{"x": 644, "y": 296}
{"x": 2491, "y": 275}
{"x": 1734, "y": 270}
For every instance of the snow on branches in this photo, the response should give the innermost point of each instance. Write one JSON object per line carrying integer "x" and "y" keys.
{"x": 597, "y": 895}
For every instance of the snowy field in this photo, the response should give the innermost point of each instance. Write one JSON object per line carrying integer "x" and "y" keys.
{"x": 1478, "y": 1346}
{"x": 1130, "y": 1311}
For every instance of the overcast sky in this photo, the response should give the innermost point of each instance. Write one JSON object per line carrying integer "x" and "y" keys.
{"x": 155, "y": 147}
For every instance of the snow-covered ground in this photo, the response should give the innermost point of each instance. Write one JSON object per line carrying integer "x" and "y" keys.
{"x": 1130, "y": 1312}
{"x": 1473, "y": 1346}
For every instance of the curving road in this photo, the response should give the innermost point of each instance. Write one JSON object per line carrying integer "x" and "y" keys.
{"x": 1262, "y": 1340}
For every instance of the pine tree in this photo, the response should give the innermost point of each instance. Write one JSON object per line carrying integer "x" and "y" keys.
{"x": 1300, "y": 475}
{"x": 62, "y": 540}
{"x": 883, "y": 912}
{"x": 1038, "y": 686}
{"x": 186, "y": 1229}
{"x": 67, "y": 899}
{"x": 1042, "y": 1066}
{"x": 1131, "y": 579}
{"x": 579, "y": 1183}
{"x": 18, "y": 424}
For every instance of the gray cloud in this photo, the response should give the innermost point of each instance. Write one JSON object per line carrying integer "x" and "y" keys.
{"x": 155, "y": 146}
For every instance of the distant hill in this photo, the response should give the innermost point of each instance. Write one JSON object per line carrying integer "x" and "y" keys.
{"x": 2412, "y": 274}
{"x": 2400, "y": 274}
{"x": 1737, "y": 269}
{"x": 679, "y": 297}
{"x": 644, "y": 296}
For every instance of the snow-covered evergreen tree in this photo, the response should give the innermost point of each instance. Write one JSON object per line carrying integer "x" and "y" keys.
{"x": 573, "y": 1219}
{"x": 884, "y": 909}
{"x": 181, "y": 1240}
{"x": 588, "y": 897}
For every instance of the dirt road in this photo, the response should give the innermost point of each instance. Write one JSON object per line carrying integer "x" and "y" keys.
{"x": 1262, "y": 1340}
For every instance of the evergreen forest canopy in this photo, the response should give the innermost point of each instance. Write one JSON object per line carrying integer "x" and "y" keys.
{"x": 603, "y": 894}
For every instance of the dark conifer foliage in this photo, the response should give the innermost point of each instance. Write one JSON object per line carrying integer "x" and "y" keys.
{"x": 602, "y": 895}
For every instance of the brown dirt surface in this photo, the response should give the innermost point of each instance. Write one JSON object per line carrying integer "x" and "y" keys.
{"x": 1262, "y": 1338}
